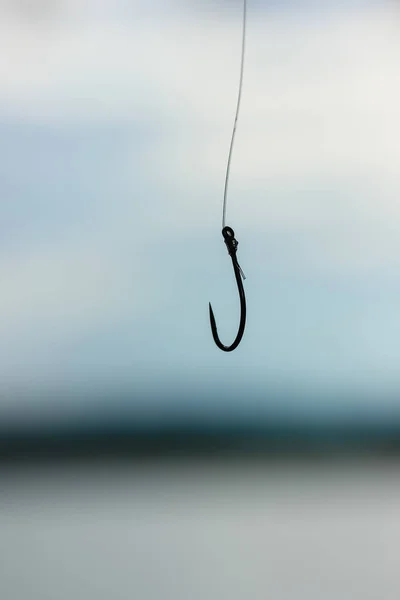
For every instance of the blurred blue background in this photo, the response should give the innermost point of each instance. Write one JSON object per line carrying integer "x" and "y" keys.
{"x": 115, "y": 123}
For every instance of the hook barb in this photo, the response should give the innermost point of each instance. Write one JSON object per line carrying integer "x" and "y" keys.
{"x": 232, "y": 244}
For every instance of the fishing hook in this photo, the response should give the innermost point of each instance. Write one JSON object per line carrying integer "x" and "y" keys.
{"x": 231, "y": 244}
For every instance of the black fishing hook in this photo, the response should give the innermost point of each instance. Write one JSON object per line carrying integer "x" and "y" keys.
{"x": 232, "y": 244}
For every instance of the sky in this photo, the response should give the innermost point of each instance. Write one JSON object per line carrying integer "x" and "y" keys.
{"x": 115, "y": 124}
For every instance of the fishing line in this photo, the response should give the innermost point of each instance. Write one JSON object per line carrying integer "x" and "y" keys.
{"x": 228, "y": 168}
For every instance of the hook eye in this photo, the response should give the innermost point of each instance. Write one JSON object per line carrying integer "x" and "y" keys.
{"x": 228, "y": 233}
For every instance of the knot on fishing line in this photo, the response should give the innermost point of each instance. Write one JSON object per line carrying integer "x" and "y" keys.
{"x": 230, "y": 240}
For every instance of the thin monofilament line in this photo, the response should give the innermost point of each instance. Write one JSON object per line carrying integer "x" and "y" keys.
{"x": 237, "y": 114}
